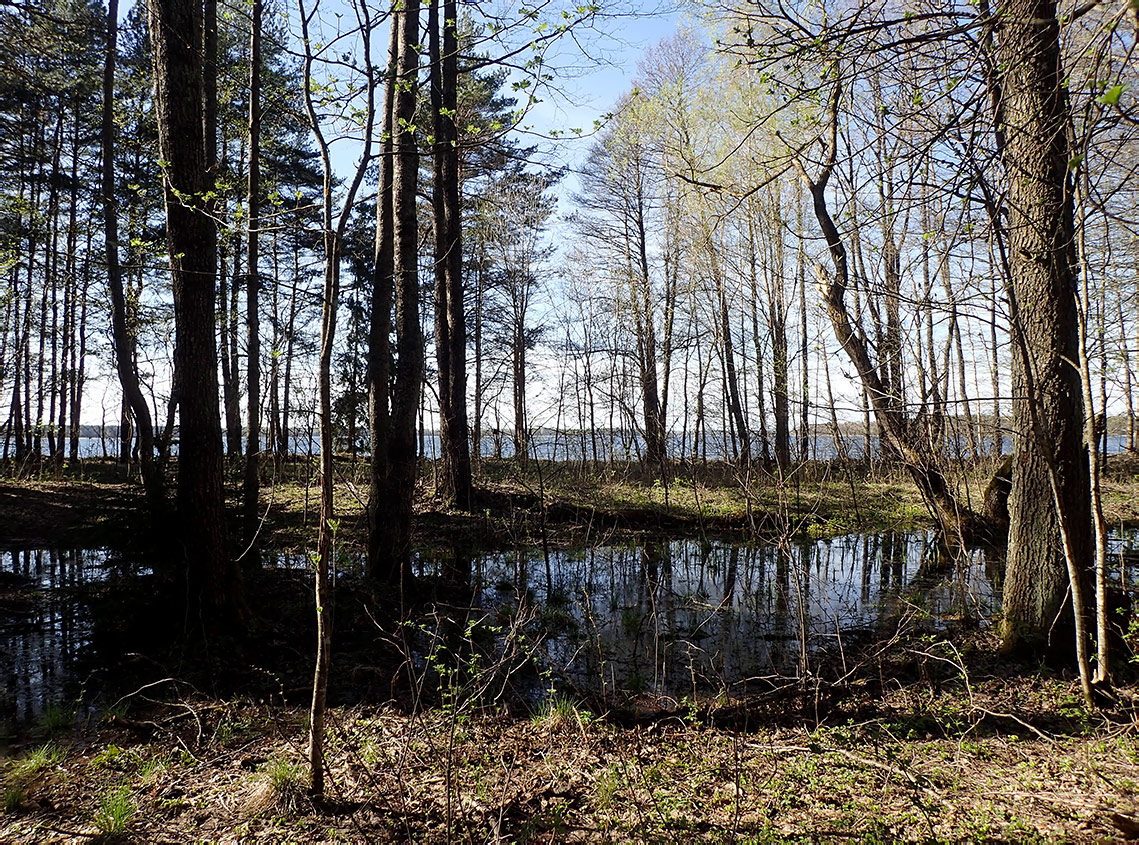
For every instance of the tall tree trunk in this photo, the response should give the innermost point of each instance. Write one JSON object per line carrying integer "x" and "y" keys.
{"x": 1049, "y": 509}
{"x": 251, "y": 487}
{"x": 518, "y": 379}
{"x": 727, "y": 348}
{"x": 79, "y": 356}
{"x": 228, "y": 367}
{"x": 214, "y": 581}
{"x": 51, "y": 271}
{"x": 394, "y": 461}
{"x": 450, "y": 315}
{"x": 777, "y": 321}
{"x": 643, "y": 305}
{"x": 124, "y": 341}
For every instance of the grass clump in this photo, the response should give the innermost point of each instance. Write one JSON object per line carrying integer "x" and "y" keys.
{"x": 20, "y": 773}
{"x": 558, "y": 712}
{"x": 116, "y": 809}
{"x": 281, "y": 787}
{"x": 45, "y": 756}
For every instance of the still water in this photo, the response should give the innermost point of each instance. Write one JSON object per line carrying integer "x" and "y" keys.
{"x": 44, "y": 624}
{"x": 687, "y": 616}
{"x": 665, "y": 618}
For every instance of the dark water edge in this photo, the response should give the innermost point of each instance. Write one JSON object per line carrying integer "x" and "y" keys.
{"x": 668, "y": 619}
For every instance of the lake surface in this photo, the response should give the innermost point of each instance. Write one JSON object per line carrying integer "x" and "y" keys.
{"x": 608, "y": 446}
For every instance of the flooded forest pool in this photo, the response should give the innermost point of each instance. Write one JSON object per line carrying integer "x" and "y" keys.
{"x": 666, "y": 618}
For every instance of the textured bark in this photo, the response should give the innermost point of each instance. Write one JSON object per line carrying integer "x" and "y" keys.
{"x": 215, "y": 592}
{"x": 450, "y": 316}
{"x": 251, "y": 487}
{"x": 518, "y": 381}
{"x": 393, "y": 408}
{"x": 1049, "y": 508}
{"x": 380, "y": 320}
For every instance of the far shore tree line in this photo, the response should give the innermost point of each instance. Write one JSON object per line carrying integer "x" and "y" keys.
{"x": 916, "y": 217}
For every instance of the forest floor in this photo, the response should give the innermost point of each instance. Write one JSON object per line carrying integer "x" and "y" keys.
{"x": 101, "y": 503}
{"x": 951, "y": 748}
{"x": 918, "y": 735}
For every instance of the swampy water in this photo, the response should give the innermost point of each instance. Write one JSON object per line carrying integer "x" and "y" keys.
{"x": 664, "y": 617}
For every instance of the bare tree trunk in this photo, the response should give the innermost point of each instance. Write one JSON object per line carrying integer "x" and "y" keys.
{"x": 124, "y": 343}
{"x": 450, "y": 315}
{"x": 215, "y": 590}
{"x": 518, "y": 377}
{"x": 1050, "y": 520}
{"x": 1128, "y": 381}
{"x": 394, "y": 461}
{"x": 252, "y": 485}
{"x": 79, "y": 357}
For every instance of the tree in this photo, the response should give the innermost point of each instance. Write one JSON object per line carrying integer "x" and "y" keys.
{"x": 395, "y": 375}
{"x": 251, "y": 486}
{"x": 333, "y": 226}
{"x": 215, "y": 590}
{"x": 621, "y": 204}
{"x": 450, "y": 307}
{"x": 124, "y": 345}
{"x": 513, "y": 213}
{"x": 1049, "y": 508}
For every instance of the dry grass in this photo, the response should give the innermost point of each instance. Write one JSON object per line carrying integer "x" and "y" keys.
{"x": 946, "y": 772}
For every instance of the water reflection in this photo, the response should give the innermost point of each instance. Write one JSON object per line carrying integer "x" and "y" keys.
{"x": 44, "y": 626}
{"x": 665, "y": 617}
{"x": 675, "y": 616}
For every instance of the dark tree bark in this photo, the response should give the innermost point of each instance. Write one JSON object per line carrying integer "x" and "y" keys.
{"x": 518, "y": 374}
{"x": 393, "y": 402}
{"x": 152, "y": 476}
{"x": 450, "y": 316}
{"x": 251, "y": 488}
{"x": 777, "y": 320}
{"x": 641, "y": 297}
{"x": 214, "y": 582}
{"x": 1050, "y": 529}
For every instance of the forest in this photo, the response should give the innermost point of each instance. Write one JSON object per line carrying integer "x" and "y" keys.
{"x": 410, "y": 434}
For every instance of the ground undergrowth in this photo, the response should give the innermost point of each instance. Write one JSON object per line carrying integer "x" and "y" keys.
{"x": 920, "y": 744}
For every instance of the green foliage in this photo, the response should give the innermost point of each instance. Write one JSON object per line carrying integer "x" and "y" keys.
{"x": 13, "y": 798}
{"x": 20, "y": 774}
{"x": 43, "y": 757}
{"x": 288, "y": 781}
{"x": 116, "y": 809}
{"x": 557, "y": 711}
{"x": 116, "y": 758}
{"x": 56, "y": 719}
{"x": 607, "y": 789}
{"x": 1111, "y": 96}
